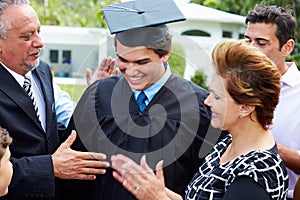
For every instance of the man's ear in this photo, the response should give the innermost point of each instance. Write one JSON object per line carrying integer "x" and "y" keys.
{"x": 165, "y": 58}
{"x": 288, "y": 48}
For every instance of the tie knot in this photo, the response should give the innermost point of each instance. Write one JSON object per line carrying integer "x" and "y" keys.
{"x": 142, "y": 97}
{"x": 141, "y": 101}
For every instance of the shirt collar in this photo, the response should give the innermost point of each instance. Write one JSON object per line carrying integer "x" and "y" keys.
{"x": 19, "y": 78}
{"x": 291, "y": 75}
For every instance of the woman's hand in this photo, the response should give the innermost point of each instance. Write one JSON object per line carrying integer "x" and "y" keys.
{"x": 140, "y": 180}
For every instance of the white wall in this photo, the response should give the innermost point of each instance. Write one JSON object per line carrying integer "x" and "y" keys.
{"x": 198, "y": 49}
{"x": 87, "y": 46}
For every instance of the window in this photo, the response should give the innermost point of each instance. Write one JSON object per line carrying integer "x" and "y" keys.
{"x": 227, "y": 34}
{"x": 241, "y": 36}
{"x": 66, "y": 57}
{"x": 54, "y": 56}
{"x": 196, "y": 33}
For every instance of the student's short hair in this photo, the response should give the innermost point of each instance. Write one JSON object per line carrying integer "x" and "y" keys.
{"x": 161, "y": 48}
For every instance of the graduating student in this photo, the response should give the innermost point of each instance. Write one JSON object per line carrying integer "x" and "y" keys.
{"x": 147, "y": 110}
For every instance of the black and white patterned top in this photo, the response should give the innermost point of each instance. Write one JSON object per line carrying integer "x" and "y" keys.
{"x": 213, "y": 179}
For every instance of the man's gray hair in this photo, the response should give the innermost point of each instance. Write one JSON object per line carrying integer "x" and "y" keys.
{"x": 4, "y": 23}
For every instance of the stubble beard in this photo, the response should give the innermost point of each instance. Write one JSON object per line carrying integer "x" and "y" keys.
{"x": 31, "y": 66}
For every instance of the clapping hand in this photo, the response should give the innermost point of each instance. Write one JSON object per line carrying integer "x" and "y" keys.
{"x": 140, "y": 180}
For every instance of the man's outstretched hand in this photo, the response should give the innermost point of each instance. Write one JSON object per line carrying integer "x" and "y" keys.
{"x": 70, "y": 164}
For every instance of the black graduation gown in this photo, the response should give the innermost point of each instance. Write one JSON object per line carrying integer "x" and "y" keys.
{"x": 172, "y": 128}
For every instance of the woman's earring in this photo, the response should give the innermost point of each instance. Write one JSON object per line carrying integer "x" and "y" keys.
{"x": 241, "y": 116}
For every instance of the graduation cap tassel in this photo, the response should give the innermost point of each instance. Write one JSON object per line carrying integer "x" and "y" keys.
{"x": 124, "y": 9}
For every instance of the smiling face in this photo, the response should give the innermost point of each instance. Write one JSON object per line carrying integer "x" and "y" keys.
{"x": 140, "y": 66}
{"x": 21, "y": 49}
{"x": 6, "y": 172}
{"x": 225, "y": 112}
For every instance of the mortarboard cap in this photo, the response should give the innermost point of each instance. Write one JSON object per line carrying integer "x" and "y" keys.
{"x": 141, "y": 22}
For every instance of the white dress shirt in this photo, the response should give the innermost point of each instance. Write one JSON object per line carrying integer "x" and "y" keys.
{"x": 286, "y": 122}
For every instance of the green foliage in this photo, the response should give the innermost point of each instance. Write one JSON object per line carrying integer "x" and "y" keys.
{"x": 200, "y": 79}
{"x": 82, "y": 13}
{"x": 242, "y": 7}
{"x": 75, "y": 91}
{"x": 87, "y": 13}
{"x": 177, "y": 60}
{"x": 295, "y": 57}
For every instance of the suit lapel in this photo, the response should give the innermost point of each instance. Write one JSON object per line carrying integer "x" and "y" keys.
{"x": 46, "y": 85}
{"x": 17, "y": 94}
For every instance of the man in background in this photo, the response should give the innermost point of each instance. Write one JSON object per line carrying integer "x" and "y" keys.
{"x": 272, "y": 30}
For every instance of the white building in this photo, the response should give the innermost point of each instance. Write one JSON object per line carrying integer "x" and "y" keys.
{"x": 70, "y": 50}
{"x": 204, "y": 28}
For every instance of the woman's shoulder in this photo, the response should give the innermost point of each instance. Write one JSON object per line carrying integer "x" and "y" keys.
{"x": 263, "y": 158}
{"x": 265, "y": 167}
{"x": 261, "y": 161}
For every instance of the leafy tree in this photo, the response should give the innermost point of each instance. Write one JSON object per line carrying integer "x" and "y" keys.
{"x": 200, "y": 79}
{"x": 82, "y": 13}
{"x": 87, "y": 13}
{"x": 239, "y": 7}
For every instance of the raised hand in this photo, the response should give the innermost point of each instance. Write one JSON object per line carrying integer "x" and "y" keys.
{"x": 104, "y": 70}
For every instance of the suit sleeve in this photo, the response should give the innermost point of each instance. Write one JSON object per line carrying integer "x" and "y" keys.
{"x": 33, "y": 177}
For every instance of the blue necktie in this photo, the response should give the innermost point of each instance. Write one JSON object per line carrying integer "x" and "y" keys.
{"x": 141, "y": 101}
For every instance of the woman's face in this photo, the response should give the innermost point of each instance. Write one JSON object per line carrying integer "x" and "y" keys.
{"x": 225, "y": 111}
